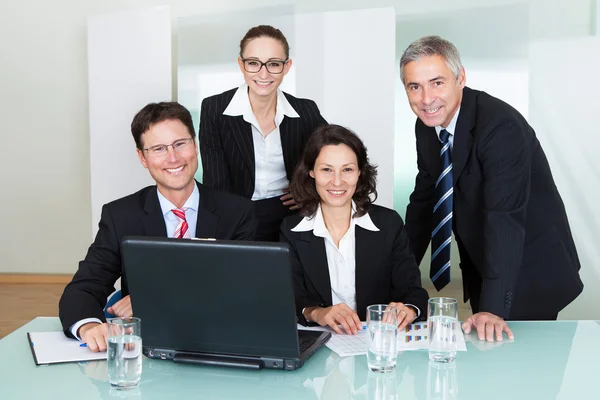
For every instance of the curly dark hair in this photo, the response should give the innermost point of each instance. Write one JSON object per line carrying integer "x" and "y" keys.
{"x": 303, "y": 185}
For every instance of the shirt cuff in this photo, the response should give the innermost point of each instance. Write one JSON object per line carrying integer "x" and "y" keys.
{"x": 78, "y": 325}
{"x": 416, "y": 309}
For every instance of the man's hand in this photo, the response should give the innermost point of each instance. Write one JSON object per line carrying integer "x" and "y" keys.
{"x": 486, "y": 324}
{"x": 406, "y": 315}
{"x": 288, "y": 199}
{"x": 340, "y": 314}
{"x": 94, "y": 335}
{"x": 121, "y": 308}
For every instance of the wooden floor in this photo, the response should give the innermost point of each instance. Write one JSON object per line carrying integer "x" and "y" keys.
{"x": 22, "y": 302}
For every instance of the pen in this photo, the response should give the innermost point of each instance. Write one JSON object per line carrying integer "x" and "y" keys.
{"x": 83, "y": 345}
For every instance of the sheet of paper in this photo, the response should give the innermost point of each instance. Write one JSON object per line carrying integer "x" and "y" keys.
{"x": 55, "y": 347}
{"x": 413, "y": 337}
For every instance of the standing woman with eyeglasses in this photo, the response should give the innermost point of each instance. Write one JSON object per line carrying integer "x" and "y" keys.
{"x": 252, "y": 137}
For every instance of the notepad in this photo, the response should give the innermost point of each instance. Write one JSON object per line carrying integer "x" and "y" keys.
{"x": 55, "y": 347}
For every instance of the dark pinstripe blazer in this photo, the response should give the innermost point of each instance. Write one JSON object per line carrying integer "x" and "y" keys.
{"x": 517, "y": 255}
{"x": 227, "y": 148}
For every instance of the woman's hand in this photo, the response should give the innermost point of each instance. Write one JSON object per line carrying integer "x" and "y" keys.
{"x": 406, "y": 314}
{"x": 288, "y": 199}
{"x": 333, "y": 316}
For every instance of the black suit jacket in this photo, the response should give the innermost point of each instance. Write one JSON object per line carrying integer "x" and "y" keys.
{"x": 518, "y": 258}
{"x": 220, "y": 215}
{"x": 227, "y": 148}
{"x": 385, "y": 270}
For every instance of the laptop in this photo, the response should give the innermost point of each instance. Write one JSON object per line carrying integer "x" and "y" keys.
{"x": 217, "y": 302}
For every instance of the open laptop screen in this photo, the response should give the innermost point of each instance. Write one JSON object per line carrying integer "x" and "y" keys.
{"x": 221, "y": 297}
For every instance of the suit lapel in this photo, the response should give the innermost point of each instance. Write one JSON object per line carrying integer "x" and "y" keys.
{"x": 242, "y": 136}
{"x": 311, "y": 250}
{"x": 208, "y": 221}
{"x": 154, "y": 222}
{"x": 463, "y": 137}
{"x": 430, "y": 149}
{"x": 367, "y": 253}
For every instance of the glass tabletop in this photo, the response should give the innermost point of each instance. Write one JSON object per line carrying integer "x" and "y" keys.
{"x": 547, "y": 360}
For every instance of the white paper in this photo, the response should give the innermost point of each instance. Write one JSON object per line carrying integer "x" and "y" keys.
{"x": 55, "y": 347}
{"x": 413, "y": 337}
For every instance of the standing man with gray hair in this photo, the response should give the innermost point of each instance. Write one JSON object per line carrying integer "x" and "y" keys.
{"x": 483, "y": 174}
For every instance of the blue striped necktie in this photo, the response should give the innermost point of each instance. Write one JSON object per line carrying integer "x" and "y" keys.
{"x": 441, "y": 236}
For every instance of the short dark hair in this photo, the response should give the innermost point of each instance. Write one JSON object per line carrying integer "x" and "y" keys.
{"x": 154, "y": 113}
{"x": 303, "y": 185}
{"x": 265, "y": 31}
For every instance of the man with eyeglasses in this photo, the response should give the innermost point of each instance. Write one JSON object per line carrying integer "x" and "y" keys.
{"x": 177, "y": 206}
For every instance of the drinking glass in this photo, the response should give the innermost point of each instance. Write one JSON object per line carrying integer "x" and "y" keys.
{"x": 382, "y": 337}
{"x": 442, "y": 321}
{"x": 124, "y": 352}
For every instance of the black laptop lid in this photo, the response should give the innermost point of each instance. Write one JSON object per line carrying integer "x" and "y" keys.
{"x": 222, "y": 297}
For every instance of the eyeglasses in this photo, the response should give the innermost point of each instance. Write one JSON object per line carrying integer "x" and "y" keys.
{"x": 161, "y": 150}
{"x": 273, "y": 66}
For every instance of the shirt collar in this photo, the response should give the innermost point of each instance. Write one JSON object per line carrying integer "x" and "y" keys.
{"x": 240, "y": 105}
{"x": 191, "y": 203}
{"x": 316, "y": 223}
{"x": 451, "y": 128}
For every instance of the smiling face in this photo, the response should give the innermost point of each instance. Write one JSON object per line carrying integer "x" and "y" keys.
{"x": 336, "y": 175}
{"x": 173, "y": 171}
{"x": 263, "y": 49}
{"x": 433, "y": 92}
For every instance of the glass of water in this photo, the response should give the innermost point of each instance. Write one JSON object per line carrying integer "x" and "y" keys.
{"x": 442, "y": 322}
{"x": 382, "y": 337}
{"x": 124, "y": 352}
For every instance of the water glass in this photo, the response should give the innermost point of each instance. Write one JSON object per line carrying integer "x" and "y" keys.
{"x": 442, "y": 321}
{"x": 442, "y": 382}
{"x": 124, "y": 352}
{"x": 382, "y": 337}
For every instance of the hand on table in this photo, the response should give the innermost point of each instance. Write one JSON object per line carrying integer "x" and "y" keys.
{"x": 340, "y": 314}
{"x": 94, "y": 335}
{"x": 487, "y": 324}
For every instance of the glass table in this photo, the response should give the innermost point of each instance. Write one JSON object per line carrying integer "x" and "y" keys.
{"x": 547, "y": 360}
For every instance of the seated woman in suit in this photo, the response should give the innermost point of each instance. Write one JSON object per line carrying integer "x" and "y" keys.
{"x": 252, "y": 137}
{"x": 347, "y": 252}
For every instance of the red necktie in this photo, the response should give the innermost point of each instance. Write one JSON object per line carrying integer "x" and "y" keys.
{"x": 182, "y": 231}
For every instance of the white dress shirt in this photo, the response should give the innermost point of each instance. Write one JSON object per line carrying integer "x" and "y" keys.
{"x": 171, "y": 222}
{"x": 270, "y": 176}
{"x": 340, "y": 260}
{"x": 451, "y": 129}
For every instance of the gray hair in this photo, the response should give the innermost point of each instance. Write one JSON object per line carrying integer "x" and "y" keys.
{"x": 432, "y": 46}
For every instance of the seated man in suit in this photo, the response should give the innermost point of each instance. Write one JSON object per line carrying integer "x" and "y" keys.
{"x": 347, "y": 253}
{"x": 177, "y": 206}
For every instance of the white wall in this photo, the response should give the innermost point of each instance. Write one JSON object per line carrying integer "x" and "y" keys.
{"x": 129, "y": 64}
{"x": 567, "y": 133}
{"x": 45, "y": 207}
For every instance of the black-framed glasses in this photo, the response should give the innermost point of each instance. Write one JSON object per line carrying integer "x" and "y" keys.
{"x": 253, "y": 65}
{"x": 161, "y": 150}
